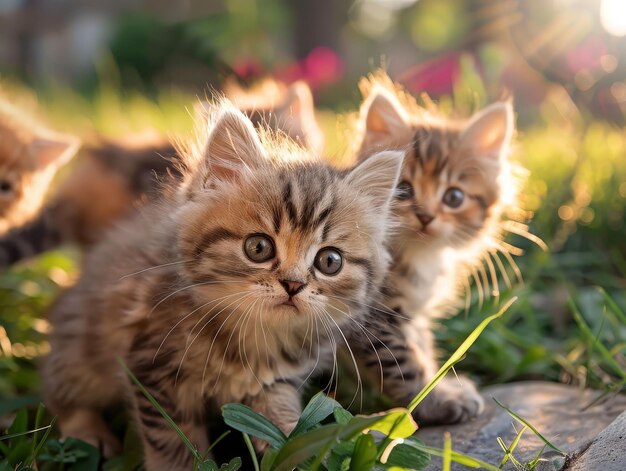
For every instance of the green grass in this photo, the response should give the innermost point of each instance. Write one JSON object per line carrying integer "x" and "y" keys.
{"x": 567, "y": 325}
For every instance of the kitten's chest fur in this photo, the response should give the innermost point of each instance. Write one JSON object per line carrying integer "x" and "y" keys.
{"x": 422, "y": 281}
{"x": 225, "y": 362}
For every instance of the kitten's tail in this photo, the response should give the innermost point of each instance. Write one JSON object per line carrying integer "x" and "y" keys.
{"x": 33, "y": 238}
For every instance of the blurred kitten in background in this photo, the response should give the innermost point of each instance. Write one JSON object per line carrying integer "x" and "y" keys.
{"x": 112, "y": 178}
{"x": 30, "y": 155}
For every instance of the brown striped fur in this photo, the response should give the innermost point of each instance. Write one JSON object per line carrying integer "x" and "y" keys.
{"x": 174, "y": 295}
{"x": 436, "y": 245}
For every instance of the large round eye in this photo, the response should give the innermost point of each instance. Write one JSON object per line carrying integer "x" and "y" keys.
{"x": 404, "y": 190}
{"x": 259, "y": 248}
{"x": 5, "y": 186}
{"x": 453, "y": 197}
{"x": 329, "y": 261}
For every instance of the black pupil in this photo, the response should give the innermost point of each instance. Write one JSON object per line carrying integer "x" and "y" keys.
{"x": 404, "y": 191}
{"x": 332, "y": 260}
{"x": 260, "y": 246}
{"x": 453, "y": 197}
{"x": 328, "y": 261}
{"x": 5, "y": 186}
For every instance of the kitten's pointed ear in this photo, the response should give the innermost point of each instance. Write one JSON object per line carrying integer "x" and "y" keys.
{"x": 383, "y": 114}
{"x": 298, "y": 116}
{"x": 490, "y": 131}
{"x": 54, "y": 150}
{"x": 299, "y": 99}
{"x": 233, "y": 146}
{"x": 378, "y": 176}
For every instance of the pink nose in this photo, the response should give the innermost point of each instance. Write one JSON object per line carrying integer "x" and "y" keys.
{"x": 425, "y": 218}
{"x": 292, "y": 287}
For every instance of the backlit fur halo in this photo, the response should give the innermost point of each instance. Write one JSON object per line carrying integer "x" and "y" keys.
{"x": 280, "y": 149}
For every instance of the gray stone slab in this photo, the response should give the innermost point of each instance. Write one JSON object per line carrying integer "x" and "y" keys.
{"x": 559, "y": 412}
{"x": 607, "y": 452}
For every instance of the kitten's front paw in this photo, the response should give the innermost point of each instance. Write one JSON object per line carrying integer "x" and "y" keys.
{"x": 452, "y": 401}
{"x": 88, "y": 426}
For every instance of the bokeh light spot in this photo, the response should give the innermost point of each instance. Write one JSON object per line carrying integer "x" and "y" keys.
{"x": 613, "y": 17}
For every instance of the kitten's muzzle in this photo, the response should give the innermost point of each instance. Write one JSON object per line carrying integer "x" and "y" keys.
{"x": 292, "y": 287}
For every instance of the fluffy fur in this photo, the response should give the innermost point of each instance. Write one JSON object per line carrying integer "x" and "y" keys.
{"x": 175, "y": 295}
{"x": 111, "y": 179}
{"x": 454, "y": 186}
{"x": 29, "y": 158}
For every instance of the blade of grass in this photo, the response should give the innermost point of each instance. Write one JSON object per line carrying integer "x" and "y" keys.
{"x": 21, "y": 434}
{"x": 458, "y": 355}
{"x": 508, "y": 450}
{"x": 613, "y": 305}
{"x": 591, "y": 338}
{"x": 455, "y": 456}
{"x": 447, "y": 452}
{"x": 38, "y": 419}
{"x": 44, "y": 439}
{"x": 527, "y": 424}
{"x": 246, "y": 438}
{"x": 157, "y": 406}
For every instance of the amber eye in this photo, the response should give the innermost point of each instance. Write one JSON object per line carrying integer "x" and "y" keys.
{"x": 404, "y": 190}
{"x": 329, "y": 261}
{"x": 5, "y": 186}
{"x": 259, "y": 248}
{"x": 453, "y": 197}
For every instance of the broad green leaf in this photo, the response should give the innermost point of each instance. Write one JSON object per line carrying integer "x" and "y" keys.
{"x": 87, "y": 456}
{"x": 244, "y": 419}
{"x": 342, "y": 416}
{"x": 408, "y": 458}
{"x": 14, "y": 403}
{"x": 267, "y": 462}
{"x": 19, "y": 453}
{"x": 311, "y": 443}
{"x": 527, "y": 424}
{"x": 364, "y": 454}
{"x": 339, "y": 455}
{"x": 396, "y": 423}
{"x": 318, "y": 408}
{"x": 233, "y": 465}
{"x": 19, "y": 427}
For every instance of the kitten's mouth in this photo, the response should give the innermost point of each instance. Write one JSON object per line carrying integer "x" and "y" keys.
{"x": 289, "y": 302}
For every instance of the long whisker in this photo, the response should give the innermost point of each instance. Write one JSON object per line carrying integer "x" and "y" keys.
{"x": 154, "y": 268}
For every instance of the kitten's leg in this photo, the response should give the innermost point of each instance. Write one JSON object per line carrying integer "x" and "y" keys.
{"x": 280, "y": 403}
{"x": 77, "y": 385}
{"x": 163, "y": 448}
{"x": 406, "y": 351}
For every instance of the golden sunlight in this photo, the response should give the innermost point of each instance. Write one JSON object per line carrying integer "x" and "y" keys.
{"x": 613, "y": 17}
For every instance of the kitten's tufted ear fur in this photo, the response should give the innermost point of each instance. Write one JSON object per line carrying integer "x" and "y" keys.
{"x": 233, "y": 146}
{"x": 377, "y": 177}
{"x": 298, "y": 112}
{"x": 489, "y": 132}
{"x": 383, "y": 114}
{"x": 53, "y": 151}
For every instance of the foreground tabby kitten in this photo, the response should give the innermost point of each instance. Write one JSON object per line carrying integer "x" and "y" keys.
{"x": 111, "y": 179}
{"x": 29, "y": 158}
{"x": 230, "y": 290}
{"x": 449, "y": 204}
